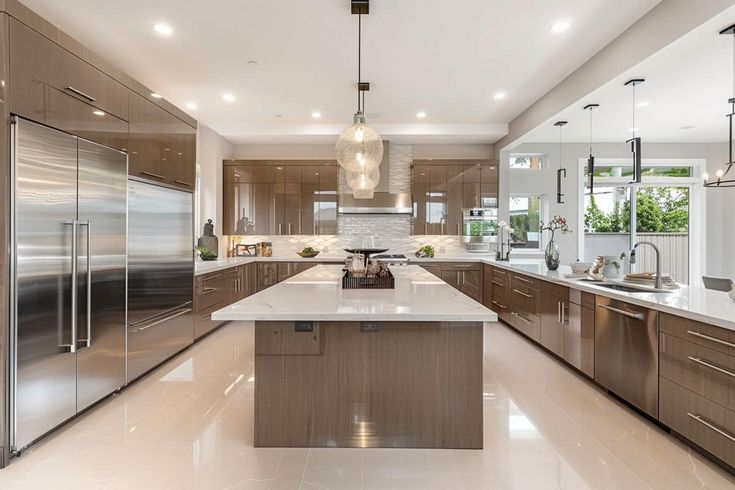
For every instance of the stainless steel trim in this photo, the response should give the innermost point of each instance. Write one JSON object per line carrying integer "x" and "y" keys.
{"x": 165, "y": 319}
{"x": 500, "y": 306}
{"x": 711, "y": 366}
{"x": 710, "y": 425}
{"x": 636, "y": 316}
{"x": 13, "y": 345}
{"x": 523, "y": 294}
{"x": 80, "y": 93}
{"x": 151, "y": 174}
{"x": 513, "y": 313}
{"x": 713, "y": 339}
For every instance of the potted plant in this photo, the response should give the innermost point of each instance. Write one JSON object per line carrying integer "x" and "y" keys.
{"x": 551, "y": 254}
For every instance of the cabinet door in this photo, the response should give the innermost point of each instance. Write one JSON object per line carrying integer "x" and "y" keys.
{"x": 579, "y": 339}
{"x": 471, "y": 186}
{"x": 76, "y": 117}
{"x": 436, "y": 218}
{"x": 454, "y": 200}
{"x": 327, "y": 222}
{"x": 267, "y": 275}
{"x": 472, "y": 284}
{"x": 183, "y": 154}
{"x": 309, "y": 199}
{"x": 489, "y": 186}
{"x": 29, "y": 62}
{"x": 277, "y": 198}
{"x": 420, "y": 179}
{"x": 453, "y": 278}
{"x": 552, "y": 328}
{"x": 435, "y": 269}
{"x": 292, "y": 209}
{"x": 261, "y": 208}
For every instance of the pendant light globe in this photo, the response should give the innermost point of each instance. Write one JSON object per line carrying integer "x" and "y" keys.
{"x": 363, "y": 179}
{"x": 359, "y": 147}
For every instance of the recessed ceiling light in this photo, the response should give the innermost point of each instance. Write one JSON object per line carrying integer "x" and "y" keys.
{"x": 98, "y": 113}
{"x": 686, "y": 128}
{"x": 634, "y": 129}
{"x": 228, "y": 97}
{"x": 643, "y": 103}
{"x": 316, "y": 115}
{"x": 191, "y": 105}
{"x": 156, "y": 95}
{"x": 252, "y": 63}
{"x": 559, "y": 27}
{"x": 163, "y": 29}
{"x": 499, "y": 96}
{"x": 421, "y": 115}
{"x": 279, "y": 115}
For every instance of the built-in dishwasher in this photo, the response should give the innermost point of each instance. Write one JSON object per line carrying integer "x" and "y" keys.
{"x": 626, "y": 352}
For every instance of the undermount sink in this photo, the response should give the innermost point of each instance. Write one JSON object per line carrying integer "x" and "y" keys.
{"x": 627, "y": 288}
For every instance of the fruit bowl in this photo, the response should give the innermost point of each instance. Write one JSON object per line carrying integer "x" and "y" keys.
{"x": 308, "y": 255}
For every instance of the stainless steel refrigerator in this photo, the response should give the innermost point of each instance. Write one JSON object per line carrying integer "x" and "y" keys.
{"x": 160, "y": 275}
{"x": 68, "y": 220}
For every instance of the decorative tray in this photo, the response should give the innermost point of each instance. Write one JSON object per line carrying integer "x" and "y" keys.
{"x": 362, "y": 282}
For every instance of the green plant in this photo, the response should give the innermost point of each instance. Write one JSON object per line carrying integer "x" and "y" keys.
{"x": 207, "y": 254}
{"x": 426, "y": 251}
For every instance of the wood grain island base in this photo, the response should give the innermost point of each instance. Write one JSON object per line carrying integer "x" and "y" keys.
{"x": 395, "y": 384}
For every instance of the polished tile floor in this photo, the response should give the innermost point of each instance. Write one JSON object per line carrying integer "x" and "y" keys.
{"x": 188, "y": 425}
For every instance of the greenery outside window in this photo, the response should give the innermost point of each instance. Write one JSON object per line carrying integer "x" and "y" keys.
{"x": 532, "y": 161}
{"x": 525, "y": 215}
{"x": 659, "y": 209}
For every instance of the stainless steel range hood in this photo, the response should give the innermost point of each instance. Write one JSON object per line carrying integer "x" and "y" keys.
{"x": 383, "y": 201}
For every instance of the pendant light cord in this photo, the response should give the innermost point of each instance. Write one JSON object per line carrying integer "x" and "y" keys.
{"x": 591, "y": 131}
{"x": 359, "y": 61}
{"x": 560, "y": 146}
{"x": 633, "y": 128}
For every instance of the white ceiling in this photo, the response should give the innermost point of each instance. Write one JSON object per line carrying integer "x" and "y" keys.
{"x": 688, "y": 83}
{"x": 445, "y": 58}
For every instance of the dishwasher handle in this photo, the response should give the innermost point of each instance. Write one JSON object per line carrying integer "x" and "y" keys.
{"x": 629, "y": 314}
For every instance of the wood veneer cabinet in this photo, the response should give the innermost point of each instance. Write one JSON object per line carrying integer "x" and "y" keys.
{"x": 280, "y": 197}
{"x": 440, "y": 189}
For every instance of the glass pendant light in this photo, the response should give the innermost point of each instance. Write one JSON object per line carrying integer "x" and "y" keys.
{"x": 359, "y": 149}
{"x": 561, "y": 172}
{"x": 721, "y": 177}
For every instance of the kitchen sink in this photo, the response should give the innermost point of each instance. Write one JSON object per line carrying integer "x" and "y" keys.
{"x": 627, "y": 288}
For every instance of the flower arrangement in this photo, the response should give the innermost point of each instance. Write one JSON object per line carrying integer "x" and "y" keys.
{"x": 556, "y": 223}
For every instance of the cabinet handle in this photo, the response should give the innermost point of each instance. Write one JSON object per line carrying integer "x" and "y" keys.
{"x": 712, "y": 426}
{"x": 513, "y": 313}
{"x": 498, "y": 283}
{"x": 563, "y": 313}
{"x": 279, "y": 229}
{"x": 523, "y": 280}
{"x": 462, "y": 266}
{"x": 289, "y": 228}
{"x": 181, "y": 182}
{"x": 558, "y": 311}
{"x": 80, "y": 93}
{"x": 500, "y": 306}
{"x": 151, "y": 174}
{"x": 424, "y": 228}
{"x": 458, "y": 230}
{"x": 713, "y": 339}
{"x": 712, "y": 366}
{"x": 529, "y": 296}
{"x": 206, "y": 291}
{"x": 635, "y": 316}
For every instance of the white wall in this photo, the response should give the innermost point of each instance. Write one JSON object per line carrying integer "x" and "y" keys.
{"x": 719, "y": 203}
{"x": 211, "y": 150}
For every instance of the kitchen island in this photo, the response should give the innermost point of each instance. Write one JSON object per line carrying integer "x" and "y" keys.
{"x": 366, "y": 368}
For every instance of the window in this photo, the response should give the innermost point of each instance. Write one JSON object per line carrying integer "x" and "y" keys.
{"x": 533, "y": 161}
{"x": 524, "y": 219}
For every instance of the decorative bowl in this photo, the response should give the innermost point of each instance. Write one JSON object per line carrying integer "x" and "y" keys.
{"x": 580, "y": 267}
{"x": 307, "y": 255}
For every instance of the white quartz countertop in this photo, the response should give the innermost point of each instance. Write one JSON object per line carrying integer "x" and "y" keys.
{"x": 317, "y": 294}
{"x": 207, "y": 266}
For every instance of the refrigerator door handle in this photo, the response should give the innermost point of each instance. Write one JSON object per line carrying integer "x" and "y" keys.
{"x": 72, "y": 346}
{"x": 88, "y": 341}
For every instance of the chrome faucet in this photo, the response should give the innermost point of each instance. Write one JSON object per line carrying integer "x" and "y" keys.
{"x": 659, "y": 282}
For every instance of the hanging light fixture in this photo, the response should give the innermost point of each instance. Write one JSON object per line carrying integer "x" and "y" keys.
{"x": 591, "y": 159}
{"x": 561, "y": 171}
{"x": 635, "y": 142}
{"x": 720, "y": 179}
{"x": 359, "y": 149}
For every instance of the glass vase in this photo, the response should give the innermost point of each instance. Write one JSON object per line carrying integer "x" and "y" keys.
{"x": 551, "y": 256}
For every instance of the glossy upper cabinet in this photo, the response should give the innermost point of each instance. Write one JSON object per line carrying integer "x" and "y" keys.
{"x": 279, "y": 198}
{"x": 162, "y": 147}
{"x": 442, "y": 188}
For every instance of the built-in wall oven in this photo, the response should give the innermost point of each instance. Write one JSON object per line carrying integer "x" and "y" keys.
{"x": 626, "y": 352}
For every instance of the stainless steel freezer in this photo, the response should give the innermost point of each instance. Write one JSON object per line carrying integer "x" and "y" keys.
{"x": 68, "y": 220}
{"x": 160, "y": 275}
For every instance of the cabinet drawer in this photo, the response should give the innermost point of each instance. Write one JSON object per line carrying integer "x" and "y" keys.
{"x": 707, "y": 424}
{"x": 500, "y": 283}
{"x": 526, "y": 322}
{"x": 524, "y": 293}
{"x": 705, "y": 371}
{"x": 76, "y": 117}
{"x": 203, "y": 322}
{"x": 210, "y": 290}
{"x": 715, "y": 338}
{"x": 461, "y": 266}
{"x": 79, "y": 79}
{"x": 557, "y": 290}
{"x": 282, "y": 338}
